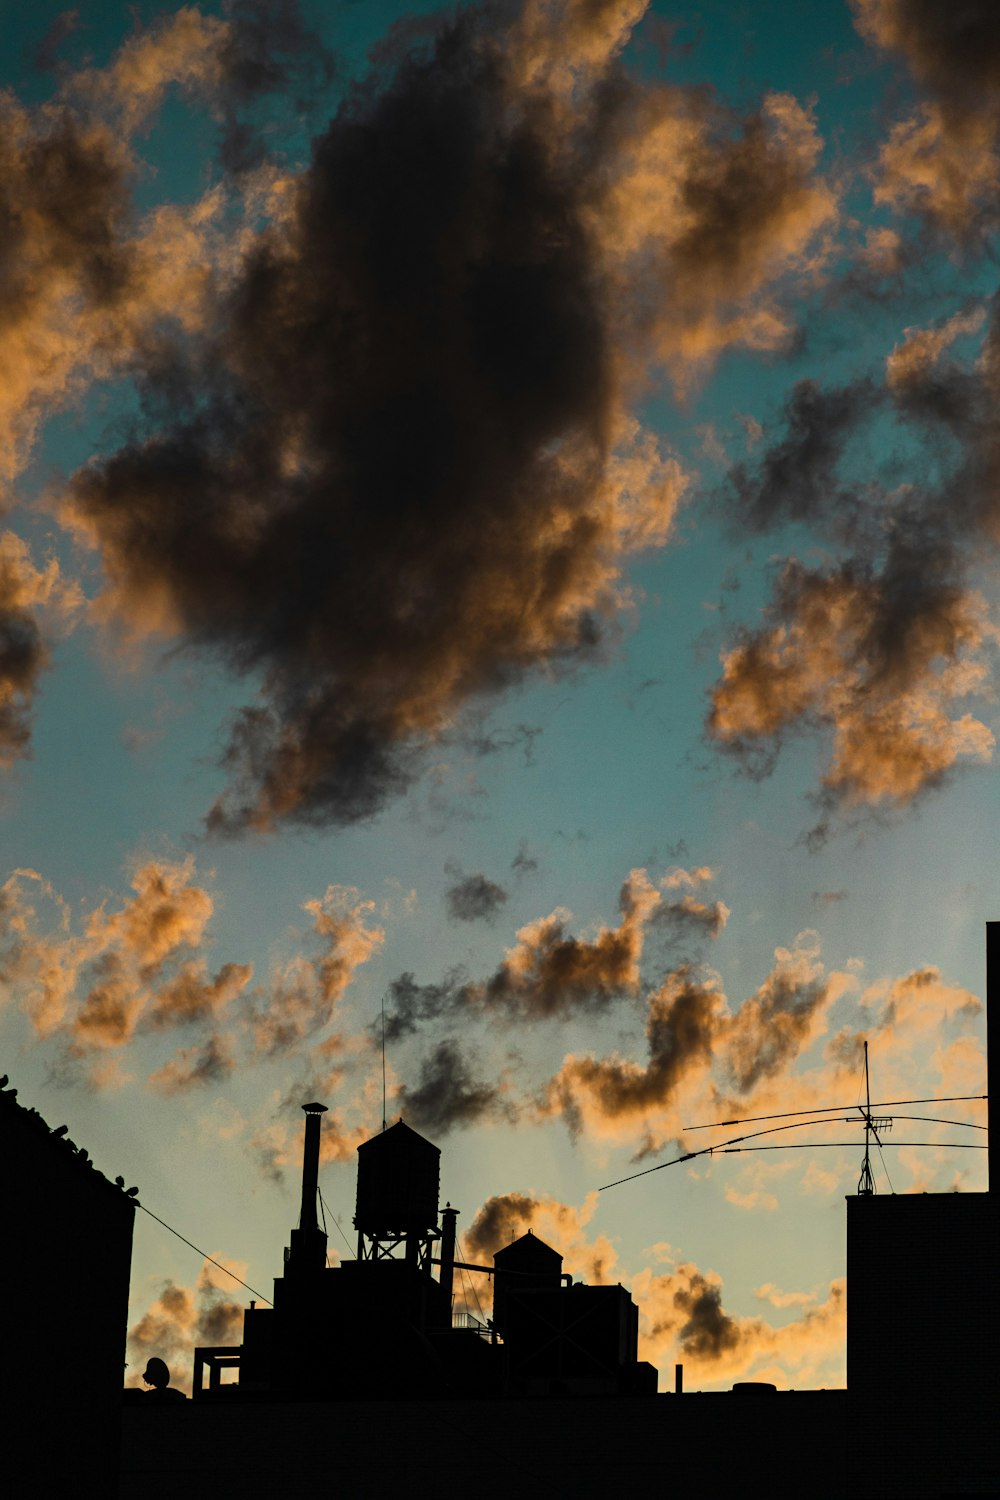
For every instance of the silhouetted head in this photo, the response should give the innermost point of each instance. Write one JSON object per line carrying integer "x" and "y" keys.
{"x": 156, "y": 1374}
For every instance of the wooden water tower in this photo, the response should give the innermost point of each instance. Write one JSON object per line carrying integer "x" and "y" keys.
{"x": 399, "y": 1174}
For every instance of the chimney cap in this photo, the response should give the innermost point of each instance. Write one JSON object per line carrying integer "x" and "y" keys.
{"x": 315, "y": 1109}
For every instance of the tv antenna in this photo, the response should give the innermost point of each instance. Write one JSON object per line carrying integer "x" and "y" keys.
{"x": 875, "y": 1126}
{"x": 383, "y": 1063}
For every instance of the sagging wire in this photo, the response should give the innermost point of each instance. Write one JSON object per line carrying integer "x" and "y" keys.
{"x": 479, "y": 1305}
{"x": 211, "y": 1259}
{"x": 333, "y": 1216}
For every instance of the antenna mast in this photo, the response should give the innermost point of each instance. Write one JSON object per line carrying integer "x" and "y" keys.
{"x": 866, "y": 1183}
{"x": 873, "y": 1124}
{"x": 383, "y": 1062}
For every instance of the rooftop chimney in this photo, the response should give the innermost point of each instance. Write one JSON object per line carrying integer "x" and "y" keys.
{"x": 307, "y": 1251}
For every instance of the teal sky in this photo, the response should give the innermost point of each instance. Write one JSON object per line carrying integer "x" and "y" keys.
{"x": 784, "y": 714}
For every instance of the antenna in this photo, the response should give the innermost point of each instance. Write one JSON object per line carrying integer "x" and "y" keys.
{"x": 866, "y": 1183}
{"x": 874, "y": 1126}
{"x": 383, "y": 1062}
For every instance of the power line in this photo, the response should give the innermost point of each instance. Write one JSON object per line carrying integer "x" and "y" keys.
{"x": 333, "y": 1216}
{"x": 211, "y": 1259}
{"x": 821, "y": 1145}
{"x": 832, "y": 1109}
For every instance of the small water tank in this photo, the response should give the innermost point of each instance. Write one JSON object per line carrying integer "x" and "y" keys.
{"x": 399, "y": 1174}
{"x": 527, "y": 1264}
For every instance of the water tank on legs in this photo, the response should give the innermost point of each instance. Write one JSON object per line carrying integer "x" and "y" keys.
{"x": 399, "y": 1174}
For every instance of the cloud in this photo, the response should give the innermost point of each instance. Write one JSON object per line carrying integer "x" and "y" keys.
{"x": 114, "y": 959}
{"x": 167, "y": 913}
{"x": 681, "y": 1312}
{"x": 277, "y": 1144}
{"x": 191, "y": 995}
{"x": 795, "y": 478}
{"x": 777, "y": 1298}
{"x": 563, "y": 1227}
{"x": 548, "y": 973}
{"x": 447, "y": 1093}
{"x": 881, "y": 658}
{"x": 89, "y": 282}
{"x": 941, "y": 161}
{"x": 181, "y": 1318}
{"x": 615, "y": 1096}
{"x": 915, "y": 358}
{"x": 698, "y": 1051}
{"x": 192, "y": 1067}
{"x": 473, "y": 898}
{"x": 24, "y": 654}
{"x": 682, "y": 1317}
{"x": 782, "y": 1018}
{"x": 182, "y": 49}
{"x": 752, "y": 1200}
{"x": 408, "y": 418}
{"x": 300, "y": 998}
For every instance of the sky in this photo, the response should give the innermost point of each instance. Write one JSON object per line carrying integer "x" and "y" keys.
{"x": 498, "y": 530}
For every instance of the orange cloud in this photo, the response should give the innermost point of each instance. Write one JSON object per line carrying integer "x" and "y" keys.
{"x": 892, "y": 703}
{"x": 921, "y": 348}
{"x": 682, "y": 1319}
{"x": 300, "y": 999}
{"x": 614, "y": 1096}
{"x": 941, "y": 161}
{"x": 191, "y": 1067}
{"x": 190, "y": 995}
{"x": 181, "y": 1318}
{"x": 681, "y": 1313}
{"x": 24, "y": 655}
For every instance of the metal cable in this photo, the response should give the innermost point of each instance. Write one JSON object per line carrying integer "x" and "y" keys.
{"x": 209, "y": 1258}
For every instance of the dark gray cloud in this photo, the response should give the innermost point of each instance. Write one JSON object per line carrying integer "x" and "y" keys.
{"x": 709, "y": 1331}
{"x": 473, "y": 898}
{"x": 411, "y": 1005}
{"x": 549, "y": 974}
{"x": 268, "y": 49}
{"x": 396, "y": 473}
{"x": 23, "y": 658}
{"x": 501, "y": 1219}
{"x": 795, "y": 479}
{"x": 447, "y": 1093}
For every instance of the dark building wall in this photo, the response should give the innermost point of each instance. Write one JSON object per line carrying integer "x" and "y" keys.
{"x": 65, "y": 1260}
{"x": 693, "y": 1447}
{"x": 922, "y": 1277}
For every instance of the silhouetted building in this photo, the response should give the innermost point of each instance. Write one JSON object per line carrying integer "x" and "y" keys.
{"x": 382, "y": 1325}
{"x": 65, "y": 1259}
{"x": 924, "y": 1312}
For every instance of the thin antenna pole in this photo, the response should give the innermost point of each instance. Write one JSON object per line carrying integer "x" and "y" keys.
{"x": 866, "y": 1183}
{"x": 383, "y": 1062}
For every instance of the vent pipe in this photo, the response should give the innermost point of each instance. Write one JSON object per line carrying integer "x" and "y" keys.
{"x": 307, "y": 1251}
{"x": 310, "y": 1167}
{"x": 447, "y": 1278}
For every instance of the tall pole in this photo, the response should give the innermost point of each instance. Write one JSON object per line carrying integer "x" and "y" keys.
{"x": 866, "y": 1183}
